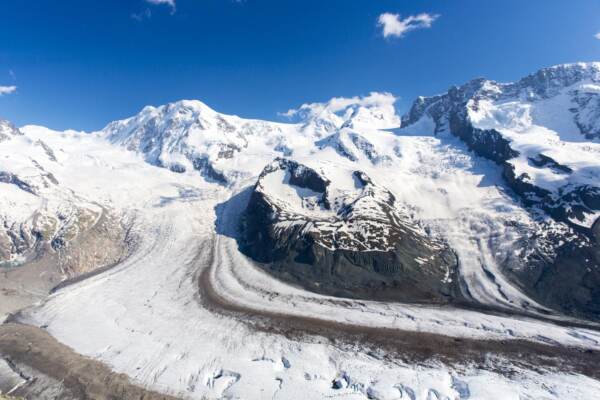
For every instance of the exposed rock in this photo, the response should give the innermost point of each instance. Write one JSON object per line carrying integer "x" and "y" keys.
{"x": 47, "y": 149}
{"x": 352, "y": 146}
{"x": 345, "y": 242}
{"x": 7, "y": 177}
{"x": 568, "y": 277}
{"x": 457, "y": 110}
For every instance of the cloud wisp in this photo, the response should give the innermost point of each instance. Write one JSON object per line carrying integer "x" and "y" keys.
{"x": 394, "y": 26}
{"x": 597, "y": 35}
{"x": 340, "y": 104}
{"x": 147, "y": 13}
{"x": 170, "y": 3}
{"x": 142, "y": 15}
{"x": 7, "y": 90}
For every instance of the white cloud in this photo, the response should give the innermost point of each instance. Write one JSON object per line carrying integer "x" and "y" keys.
{"x": 337, "y": 104}
{"x": 7, "y": 90}
{"x": 147, "y": 13}
{"x": 170, "y": 3}
{"x": 375, "y": 111}
{"x": 393, "y": 25}
{"x": 597, "y": 35}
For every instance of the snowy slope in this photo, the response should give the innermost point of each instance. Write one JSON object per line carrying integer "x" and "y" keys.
{"x": 66, "y": 201}
{"x": 37, "y": 209}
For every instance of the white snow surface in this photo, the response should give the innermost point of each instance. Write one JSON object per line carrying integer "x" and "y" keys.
{"x": 145, "y": 317}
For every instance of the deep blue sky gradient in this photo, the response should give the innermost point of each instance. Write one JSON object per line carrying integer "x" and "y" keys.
{"x": 82, "y": 63}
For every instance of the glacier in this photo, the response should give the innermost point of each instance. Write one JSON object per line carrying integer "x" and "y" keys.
{"x": 182, "y": 311}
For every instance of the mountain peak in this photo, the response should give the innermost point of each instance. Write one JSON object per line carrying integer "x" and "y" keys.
{"x": 7, "y": 129}
{"x": 191, "y": 108}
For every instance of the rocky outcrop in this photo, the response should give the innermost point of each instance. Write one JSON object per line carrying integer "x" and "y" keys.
{"x": 78, "y": 239}
{"x": 354, "y": 244}
{"x": 565, "y": 276}
{"x": 10, "y": 178}
{"x": 39, "y": 254}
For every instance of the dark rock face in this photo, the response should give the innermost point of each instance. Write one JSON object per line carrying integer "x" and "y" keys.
{"x": 334, "y": 141}
{"x": 571, "y": 202}
{"x": 543, "y": 160}
{"x": 361, "y": 247}
{"x": 487, "y": 143}
{"x": 205, "y": 167}
{"x": 301, "y": 176}
{"x": 587, "y": 114}
{"x": 47, "y": 149}
{"x": 568, "y": 279}
{"x": 7, "y": 177}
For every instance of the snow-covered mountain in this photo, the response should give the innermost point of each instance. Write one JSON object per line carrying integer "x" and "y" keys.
{"x": 543, "y": 129}
{"x": 486, "y": 197}
{"x": 543, "y": 132}
{"x": 188, "y": 135}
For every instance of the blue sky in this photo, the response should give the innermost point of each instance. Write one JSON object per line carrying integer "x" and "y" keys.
{"x": 82, "y": 63}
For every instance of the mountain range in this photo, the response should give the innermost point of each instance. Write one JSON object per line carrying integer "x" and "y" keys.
{"x": 485, "y": 198}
